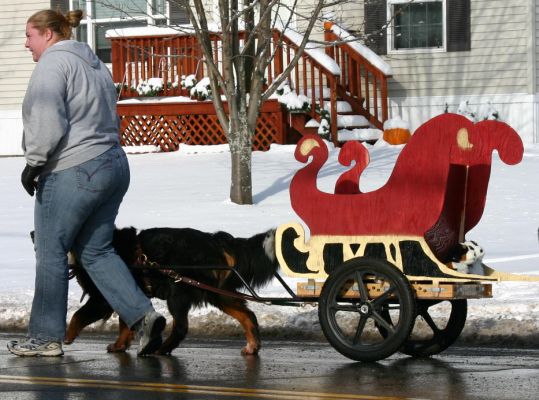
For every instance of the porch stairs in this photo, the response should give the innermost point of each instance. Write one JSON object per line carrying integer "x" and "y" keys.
{"x": 354, "y": 103}
{"x": 350, "y": 125}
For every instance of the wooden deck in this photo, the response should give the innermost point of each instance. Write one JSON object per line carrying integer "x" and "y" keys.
{"x": 171, "y": 56}
{"x": 167, "y": 125}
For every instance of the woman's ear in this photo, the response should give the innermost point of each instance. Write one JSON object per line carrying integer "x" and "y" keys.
{"x": 49, "y": 34}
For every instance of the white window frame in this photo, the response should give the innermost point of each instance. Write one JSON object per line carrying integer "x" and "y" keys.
{"x": 91, "y": 22}
{"x": 390, "y": 28}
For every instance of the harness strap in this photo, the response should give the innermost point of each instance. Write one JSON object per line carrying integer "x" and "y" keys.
{"x": 142, "y": 260}
{"x": 183, "y": 279}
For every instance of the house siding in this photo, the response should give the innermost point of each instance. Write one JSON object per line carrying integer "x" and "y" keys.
{"x": 536, "y": 43}
{"x": 496, "y": 64}
{"x": 500, "y": 70}
{"x": 16, "y": 67}
{"x": 16, "y": 64}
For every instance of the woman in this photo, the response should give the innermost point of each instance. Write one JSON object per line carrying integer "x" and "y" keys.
{"x": 71, "y": 145}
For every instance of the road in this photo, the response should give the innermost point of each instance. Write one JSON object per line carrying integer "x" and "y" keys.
{"x": 214, "y": 369}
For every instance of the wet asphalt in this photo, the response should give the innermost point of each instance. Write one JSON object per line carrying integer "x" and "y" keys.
{"x": 215, "y": 369}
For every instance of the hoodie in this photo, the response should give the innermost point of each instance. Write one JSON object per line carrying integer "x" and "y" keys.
{"x": 69, "y": 109}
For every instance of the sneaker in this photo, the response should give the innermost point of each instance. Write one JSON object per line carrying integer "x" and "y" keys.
{"x": 31, "y": 347}
{"x": 149, "y": 333}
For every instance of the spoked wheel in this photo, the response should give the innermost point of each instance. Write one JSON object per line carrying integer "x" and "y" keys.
{"x": 432, "y": 332}
{"x": 353, "y": 302}
{"x": 440, "y": 334}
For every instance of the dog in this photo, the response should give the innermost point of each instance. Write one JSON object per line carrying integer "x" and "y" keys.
{"x": 467, "y": 258}
{"x": 184, "y": 252}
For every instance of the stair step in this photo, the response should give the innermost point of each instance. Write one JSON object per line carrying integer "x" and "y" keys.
{"x": 345, "y": 121}
{"x": 362, "y": 135}
{"x": 352, "y": 121}
{"x": 343, "y": 107}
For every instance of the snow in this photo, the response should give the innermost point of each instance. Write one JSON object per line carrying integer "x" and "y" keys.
{"x": 293, "y": 101}
{"x": 347, "y": 121}
{"x": 150, "y": 87}
{"x": 316, "y": 51}
{"x": 396, "y": 123}
{"x": 367, "y": 53}
{"x": 190, "y": 188}
{"x": 150, "y": 31}
{"x": 290, "y": 99}
{"x": 312, "y": 123}
{"x": 201, "y": 90}
{"x": 359, "y": 134}
{"x": 342, "y": 107}
{"x": 158, "y": 99}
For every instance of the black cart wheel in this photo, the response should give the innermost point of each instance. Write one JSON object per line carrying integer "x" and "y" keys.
{"x": 432, "y": 332}
{"x": 440, "y": 334}
{"x": 353, "y": 302}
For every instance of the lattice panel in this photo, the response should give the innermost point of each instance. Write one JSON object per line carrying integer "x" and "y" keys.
{"x": 268, "y": 131}
{"x": 201, "y": 129}
{"x": 168, "y": 131}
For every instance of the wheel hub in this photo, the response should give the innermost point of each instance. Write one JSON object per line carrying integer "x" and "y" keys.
{"x": 364, "y": 309}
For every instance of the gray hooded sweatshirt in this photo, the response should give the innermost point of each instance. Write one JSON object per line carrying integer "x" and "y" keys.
{"x": 69, "y": 110}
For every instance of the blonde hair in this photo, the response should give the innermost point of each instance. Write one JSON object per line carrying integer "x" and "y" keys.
{"x": 56, "y": 22}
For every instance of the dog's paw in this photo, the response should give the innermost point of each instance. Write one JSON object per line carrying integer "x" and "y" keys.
{"x": 250, "y": 350}
{"x": 461, "y": 267}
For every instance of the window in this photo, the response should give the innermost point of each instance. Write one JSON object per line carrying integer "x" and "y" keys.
{"x": 417, "y": 25}
{"x": 102, "y": 15}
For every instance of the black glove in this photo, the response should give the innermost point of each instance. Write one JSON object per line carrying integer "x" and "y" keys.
{"x": 28, "y": 177}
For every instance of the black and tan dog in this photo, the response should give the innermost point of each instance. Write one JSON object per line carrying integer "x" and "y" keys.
{"x": 170, "y": 248}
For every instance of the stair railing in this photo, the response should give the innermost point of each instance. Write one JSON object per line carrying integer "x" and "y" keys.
{"x": 362, "y": 84}
{"x": 315, "y": 76}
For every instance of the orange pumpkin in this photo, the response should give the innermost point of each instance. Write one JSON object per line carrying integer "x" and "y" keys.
{"x": 397, "y": 135}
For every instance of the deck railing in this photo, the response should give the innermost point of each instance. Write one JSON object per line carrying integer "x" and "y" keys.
{"x": 318, "y": 75}
{"x": 139, "y": 58}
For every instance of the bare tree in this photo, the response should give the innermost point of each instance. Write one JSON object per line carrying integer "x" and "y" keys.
{"x": 247, "y": 46}
{"x": 240, "y": 78}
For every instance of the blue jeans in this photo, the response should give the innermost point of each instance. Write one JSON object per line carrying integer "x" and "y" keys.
{"x": 75, "y": 210}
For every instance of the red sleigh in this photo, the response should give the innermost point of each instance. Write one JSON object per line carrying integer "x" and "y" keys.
{"x": 383, "y": 256}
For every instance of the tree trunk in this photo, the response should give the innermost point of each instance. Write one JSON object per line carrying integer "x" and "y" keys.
{"x": 240, "y": 142}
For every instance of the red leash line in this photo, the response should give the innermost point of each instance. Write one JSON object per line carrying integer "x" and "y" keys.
{"x": 142, "y": 260}
{"x": 201, "y": 285}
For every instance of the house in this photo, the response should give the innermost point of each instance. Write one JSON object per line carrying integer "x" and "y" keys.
{"x": 442, "y": 54}
{"x": 16, "y": 64}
